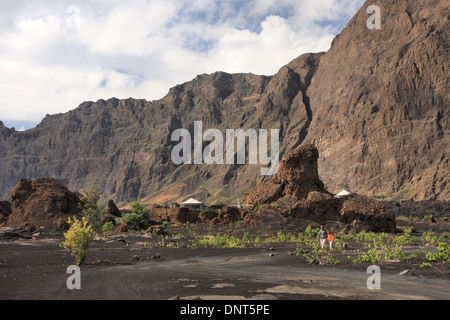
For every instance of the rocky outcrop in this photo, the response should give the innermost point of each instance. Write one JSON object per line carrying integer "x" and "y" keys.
{"x": 229, "y": 214}
{"x": 362, "y": 213}
{"x": 297, "y": 176}
{"x": 112, "y": 209}
{"x": 44, "y": 202}
{"x": 301, "y": 194}
{"x": 174, "y": 215}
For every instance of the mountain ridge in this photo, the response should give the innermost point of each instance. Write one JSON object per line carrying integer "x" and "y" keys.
{"x": 374, "y": 105}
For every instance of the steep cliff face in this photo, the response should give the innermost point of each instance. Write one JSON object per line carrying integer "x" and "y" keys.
{"x": 124, "y": 146}
{"x": 380, "y": 103}
{"x": 376, "y": 105}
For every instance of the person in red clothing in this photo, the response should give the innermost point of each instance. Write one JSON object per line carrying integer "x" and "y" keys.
{"x": 330, "y": 239}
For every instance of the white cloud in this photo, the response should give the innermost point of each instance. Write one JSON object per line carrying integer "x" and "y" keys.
{"x": 132, "y": 30}
{"x": 55, "y": 55}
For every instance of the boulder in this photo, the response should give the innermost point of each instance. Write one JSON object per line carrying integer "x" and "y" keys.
{"x": 183, "y": 215}
{"x": 317, "y": 207}
{"x": 113, "y": 210}
{"x": 125, "y": 226}
{"x": 44, "y": 202}
{"x": 363, "y": 213}
{"x": 207, "y": 215}
{"x": 229, "y": 214}
{"x": 156, "y": 230}
{"x": 112, "y": 214}
{"x": 175, "y": 215}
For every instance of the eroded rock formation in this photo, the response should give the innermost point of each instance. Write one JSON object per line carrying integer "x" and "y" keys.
{"x": 44, "y": 202}
{"x": 296, "y": 191}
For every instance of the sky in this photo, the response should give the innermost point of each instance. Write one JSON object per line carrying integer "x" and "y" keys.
{"x": 56, "y": 54}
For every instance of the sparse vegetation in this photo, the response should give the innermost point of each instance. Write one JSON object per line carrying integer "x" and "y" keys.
{"x": 382, "y": 248}
{"x": 429, "y": 238}
{"x": 92, "y": 209}
{"x": 443, "y": 256}
{"x": 139, "y": 216}
{"x": 108, "y": 227}
{"x": 377, "y": 248}
{"x": 221, "y": 241}
{"x": 78, "y": 239}
{"x": 316, "y": 255}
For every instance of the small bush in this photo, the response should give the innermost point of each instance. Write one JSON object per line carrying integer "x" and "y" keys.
{"x": 315, "y": 254}
{"x": 429, "y": 238}
{"x": 442, "y": 256}
{"x": 311, "y": 233}
{"x": 91, "y": 209}
{"x": 78, "y": 239}
{"x": 246, "y": 237}
{"x": 139, "y": 216}
{"x": 108, "y": 227}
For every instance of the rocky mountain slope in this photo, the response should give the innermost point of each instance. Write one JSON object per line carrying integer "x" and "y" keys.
{"x": 376, "y": 105}
{"x": 381, "y": 103}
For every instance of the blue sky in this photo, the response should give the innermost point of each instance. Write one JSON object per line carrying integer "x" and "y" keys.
{"x": 54, "y": 55}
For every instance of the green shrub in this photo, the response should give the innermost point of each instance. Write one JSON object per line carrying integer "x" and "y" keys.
{"x": 346, "y": 236}
{"x": 108, "y": 227}
{"x": 78, "y": 239}
{"x": 139, "y": 216}
{"x": 311, "y": 233}
{"x": 246, "y": 237}
{"x": 91, "y": 209}
{"x": 442, "y": 256}
{"x": 429, "y": 239}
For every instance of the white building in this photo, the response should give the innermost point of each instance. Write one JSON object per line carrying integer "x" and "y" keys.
{"x": 193, "y": 204}
{"x": 343, "y": 193}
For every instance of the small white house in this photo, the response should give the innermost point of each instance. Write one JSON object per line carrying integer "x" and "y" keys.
{"x": 193, "y": 204}
{"x": 343, "y": 193}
